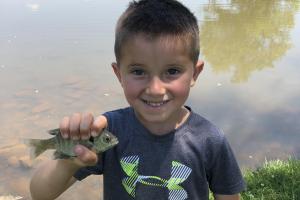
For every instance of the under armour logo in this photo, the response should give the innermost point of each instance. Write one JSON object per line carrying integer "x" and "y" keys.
{"x": 179, "y": 174}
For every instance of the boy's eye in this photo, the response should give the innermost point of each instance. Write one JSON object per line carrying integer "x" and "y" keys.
{"x": 173, "y": 71}
{"x": 138, "y": 72}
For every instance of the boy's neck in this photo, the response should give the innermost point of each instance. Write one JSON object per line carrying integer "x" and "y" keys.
{"x": 160, "y": 129}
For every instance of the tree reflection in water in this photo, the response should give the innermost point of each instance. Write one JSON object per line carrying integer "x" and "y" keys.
{"x": 246, "y": 35}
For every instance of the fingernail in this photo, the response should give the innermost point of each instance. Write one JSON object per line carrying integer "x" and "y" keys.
{"x": 94, "y": 133}
{"x": 75, "y": 138}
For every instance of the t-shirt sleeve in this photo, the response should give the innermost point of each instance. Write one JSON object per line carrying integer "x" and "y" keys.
{"x": 224, "y": 176}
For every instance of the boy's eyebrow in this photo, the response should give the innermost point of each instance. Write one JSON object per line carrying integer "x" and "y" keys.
{"x": 143, "y": 65}
{"x": 136, "y": 64}
{"x": 174, "y": 65}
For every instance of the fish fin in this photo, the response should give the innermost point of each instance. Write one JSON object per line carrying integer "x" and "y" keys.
{"x": 59, "y": 155}
{"x": 55, "y": 131}
{"x": 38, "y": 146}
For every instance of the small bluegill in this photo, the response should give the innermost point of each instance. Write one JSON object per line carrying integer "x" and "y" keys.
{"x": 64, "y": 148}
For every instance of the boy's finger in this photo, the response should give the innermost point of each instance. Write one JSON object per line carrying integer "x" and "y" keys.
{"x": 64, "y": 127}
{"x": 85, "y": 157}
{"x": 74, "y": 126}
{"x": 85, "y": 125}
{"x": 98, "y": 125}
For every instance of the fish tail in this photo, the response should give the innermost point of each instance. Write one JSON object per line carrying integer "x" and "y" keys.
{"x": 38, "y": 146}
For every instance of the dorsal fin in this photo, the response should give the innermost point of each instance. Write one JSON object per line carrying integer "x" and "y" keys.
{"x": 54, "y": 131}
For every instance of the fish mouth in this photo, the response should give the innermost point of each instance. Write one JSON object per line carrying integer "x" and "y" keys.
{"x": 114, "y": 141}
{"x": 155, "y": 103}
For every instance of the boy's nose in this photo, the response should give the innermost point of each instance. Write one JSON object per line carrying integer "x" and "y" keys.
{"x": 155, "y": 87}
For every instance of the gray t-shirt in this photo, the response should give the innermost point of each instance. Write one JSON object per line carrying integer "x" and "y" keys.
{"x": 180, "y": 165}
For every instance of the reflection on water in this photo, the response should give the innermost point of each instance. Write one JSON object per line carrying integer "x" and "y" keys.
{"x": 251, "y": 49}
{"x": 55, "y": 60}
{"x": 33, "y": 7}
{"x": 246, "y": 36}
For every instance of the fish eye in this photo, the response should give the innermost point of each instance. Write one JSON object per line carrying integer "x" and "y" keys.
{"x": 107, "y": 138}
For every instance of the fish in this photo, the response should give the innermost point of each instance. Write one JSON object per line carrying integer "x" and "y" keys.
{"x": 64, "y": 148}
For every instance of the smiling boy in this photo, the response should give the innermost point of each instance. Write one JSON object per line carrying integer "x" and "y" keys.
{"x": 156, "y": 76}
{"x": 165, "y": 150}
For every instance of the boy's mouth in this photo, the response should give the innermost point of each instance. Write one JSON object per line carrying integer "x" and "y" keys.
{"x": 155, "y": 103}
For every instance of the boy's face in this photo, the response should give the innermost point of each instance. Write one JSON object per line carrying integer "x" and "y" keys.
{"x": 156, "y": 76}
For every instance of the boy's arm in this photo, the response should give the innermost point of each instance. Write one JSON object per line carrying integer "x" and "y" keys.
{"x": 227, "y": 197}
{"x": 53, "y": 177}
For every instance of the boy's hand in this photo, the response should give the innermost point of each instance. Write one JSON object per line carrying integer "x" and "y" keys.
{"x": 83, "y": 126}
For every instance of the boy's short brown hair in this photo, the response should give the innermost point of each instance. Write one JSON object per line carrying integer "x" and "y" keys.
{"x": 156, "y": 18}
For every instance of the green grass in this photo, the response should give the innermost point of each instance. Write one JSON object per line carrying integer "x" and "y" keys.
{"x": 275, "y": 180}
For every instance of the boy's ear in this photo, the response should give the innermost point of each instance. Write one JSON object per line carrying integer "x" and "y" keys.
{"x": 197, "y": 70}
{"x": 116, "y": 69}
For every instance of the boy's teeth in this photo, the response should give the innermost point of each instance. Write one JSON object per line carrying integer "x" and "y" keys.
{"x": 155, "y": 104}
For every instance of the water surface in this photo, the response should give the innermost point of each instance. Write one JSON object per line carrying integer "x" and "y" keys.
{"x": 55, "y": 60}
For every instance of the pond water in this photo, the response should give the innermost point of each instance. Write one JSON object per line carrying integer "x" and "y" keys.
{"x": 55, "y": 60}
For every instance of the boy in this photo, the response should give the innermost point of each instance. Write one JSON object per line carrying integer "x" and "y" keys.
{"x": 165, "y": 150}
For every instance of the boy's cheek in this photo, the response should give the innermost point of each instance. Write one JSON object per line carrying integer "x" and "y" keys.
{"x": 131, "y": 88}
{"x": 181, "y": 90}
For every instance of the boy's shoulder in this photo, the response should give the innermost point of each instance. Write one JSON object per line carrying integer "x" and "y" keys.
{"x": 119, "y": 118}
{"x": 204, "y": 128}
{"x": 119, "y": 114}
